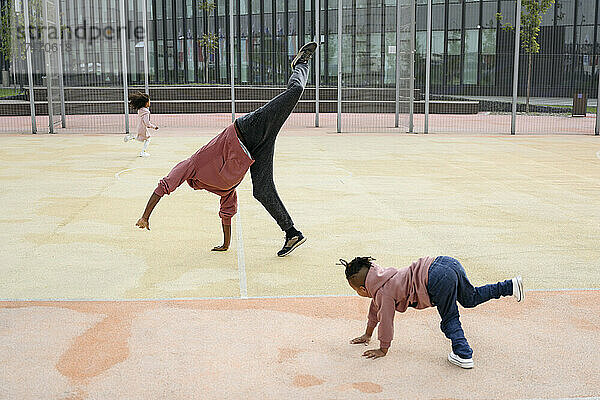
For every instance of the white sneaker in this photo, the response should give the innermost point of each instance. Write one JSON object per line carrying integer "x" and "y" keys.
{"x": 126, "y": 138}
{"x": 518, "y": 291}
{"x": 144, "y": 154}
{"x": 466, "y": 363}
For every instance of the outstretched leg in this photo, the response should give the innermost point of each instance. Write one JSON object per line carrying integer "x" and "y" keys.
{"x": 263, "y": 189}
{"x": 259, "y": 128}
{"x": 469, "y": 296}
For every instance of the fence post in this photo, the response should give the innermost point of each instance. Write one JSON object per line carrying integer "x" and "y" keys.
{"x": 397, "y": 119}
{"x": 597, "y": 129}
{"x": 47, "y": 55}
{"x": 61, "y": 73}
{"x": 123, "y": 31}
{"x": 317, "y": 59}
{"x": 29, "y": 66}
{"x": 411, "y": 83}
{"x": 232, "y": 57}
{"x": 513, "y": 120}
{"x": 146, "y": 67}
{"x": 427, "y": 68}
{"x": 339, "y": 77}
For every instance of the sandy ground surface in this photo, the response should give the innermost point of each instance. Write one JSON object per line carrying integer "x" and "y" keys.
{"x": 294, "y": 349}
{"x": 502, "y": 205}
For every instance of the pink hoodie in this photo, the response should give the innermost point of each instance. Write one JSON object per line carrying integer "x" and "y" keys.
{"x": 144, "y": 124}
{"x": 218, "y": 167}
{"x": 395, "y": 290}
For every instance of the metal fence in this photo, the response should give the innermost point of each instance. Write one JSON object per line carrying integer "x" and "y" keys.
{"x": 382, "y": 66}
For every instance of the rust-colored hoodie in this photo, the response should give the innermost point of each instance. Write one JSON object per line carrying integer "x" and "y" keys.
{"x": 395, "y": 290}
{"x": 217, "y": 167}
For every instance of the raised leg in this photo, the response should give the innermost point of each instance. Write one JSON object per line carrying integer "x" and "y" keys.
{"x": 260, "y": 127}
{"x": 263, "y": 189}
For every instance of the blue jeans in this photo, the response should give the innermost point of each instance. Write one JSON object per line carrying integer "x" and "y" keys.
{"x": 448, "y": 283}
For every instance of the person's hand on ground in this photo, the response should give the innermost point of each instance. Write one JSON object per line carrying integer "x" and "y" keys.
{"x": 220, "y": 248}
{"x": 361, "y": 339}
{"x": 377, "y": 353}
{"x": 143, "y": 223}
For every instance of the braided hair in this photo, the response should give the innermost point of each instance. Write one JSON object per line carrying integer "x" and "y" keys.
{"x": 138, "y": 100}
{"x": 354, "y": 266}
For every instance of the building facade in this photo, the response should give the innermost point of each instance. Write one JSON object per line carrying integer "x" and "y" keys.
{"x": 472, "y": 51}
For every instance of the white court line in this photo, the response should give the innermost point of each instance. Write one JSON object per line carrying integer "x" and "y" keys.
{"x": 293, "y": 296}
{"x": 118, "y": 174}
{"x": 241, "y": 257}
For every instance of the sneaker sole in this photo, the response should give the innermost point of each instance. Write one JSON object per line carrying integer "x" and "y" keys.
{"x": 295, "y": 60}
{"x": 464, "y": 365}
{"x": 521, "y": 294}
{"x": 293, "y": 248}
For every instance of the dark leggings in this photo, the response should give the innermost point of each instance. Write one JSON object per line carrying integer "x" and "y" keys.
{"x": 259, "y": 131}
{"x": 447, "y": 284}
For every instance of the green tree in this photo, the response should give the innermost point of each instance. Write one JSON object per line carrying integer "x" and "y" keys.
{"x": 531, "y": 19}
{"x": 208, "y": 41}
{"x": 11, "y": 45}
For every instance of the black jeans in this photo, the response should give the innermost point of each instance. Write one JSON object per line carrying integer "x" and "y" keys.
{"x": 259, "y": 130}
{"x": 448, "y": 283}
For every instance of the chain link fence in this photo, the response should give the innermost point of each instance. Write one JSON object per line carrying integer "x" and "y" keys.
{"x": 422, "y": 66}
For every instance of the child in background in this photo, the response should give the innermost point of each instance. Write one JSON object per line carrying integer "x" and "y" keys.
{"x": 141, "y": 103}
{"x": 428, "y": 282}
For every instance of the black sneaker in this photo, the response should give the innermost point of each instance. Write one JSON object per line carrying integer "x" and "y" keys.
{"x": 305, "y": 53}
{"x": 291, "y": 244}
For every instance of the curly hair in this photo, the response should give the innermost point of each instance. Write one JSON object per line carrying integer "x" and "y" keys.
{"x": 138, "y": 100}
{"x": 354, "y": 266}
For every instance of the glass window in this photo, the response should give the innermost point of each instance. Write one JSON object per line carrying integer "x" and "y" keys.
{"x": 488, "y": 41}
{"x": 292, "y": 23}
{"x": 361, "y": 21}
{"x": 347, "y": 55}
{"x": 390, "y": 19}
{"x": 244, "y": 61}
{"x": 437, "y": 42}
{"x": 280, "y": 5}
{"x": 179, "y": 7}
{"x": 548, "y": 17}
{"x": 471, "y": 58}
{"x": 256, "y": 6}
{"x": 268, "y": 6}
{"x": 159, "y": 9}
{"x": 437, "y": 16}
{"x": 488, "y": 70}
{"x": 454, "y": 43}
{"x": 564, "y": 12}
{"x": 421, "y": 17}
{"x": 471, "y": 15}
{"x": 390, "y": 60}
{"x": 507, "y": 9}
{"x": 293, "y": 5}
{"x": 421, "y": 43}
{"x": 256, "y": 25}
{"x": 455, "y": 16}
{"x": 585, "y": 12}
{"x": 488, "y": 15}
{"x": 332, "y": 57}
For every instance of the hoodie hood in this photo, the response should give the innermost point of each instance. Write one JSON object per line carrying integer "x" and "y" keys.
{"x": 377, "y": 277}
